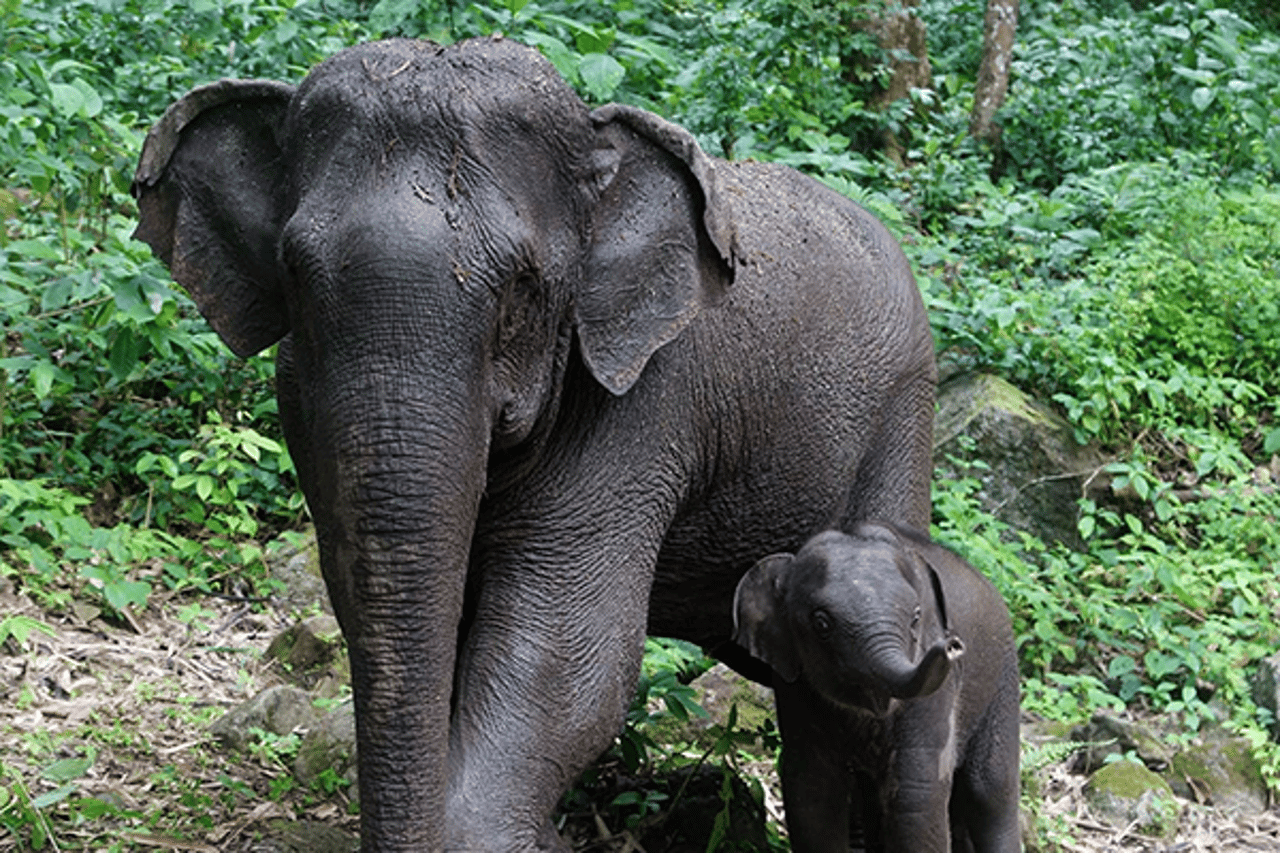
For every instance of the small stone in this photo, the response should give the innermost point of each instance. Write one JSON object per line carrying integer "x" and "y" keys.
{"x": 279, "y": 709}
{"x": 310, "y": 643}
{"x": 330, "y": 744}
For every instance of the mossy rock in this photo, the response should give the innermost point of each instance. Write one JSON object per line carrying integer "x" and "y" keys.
{"x": 1033, "y": 468}
{"x": 1126, "y": 793}
{"x": 1220, "y": 771}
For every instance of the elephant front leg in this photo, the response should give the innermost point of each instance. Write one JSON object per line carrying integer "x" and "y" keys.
{"x": 916, "y": 802}
{"x": 816, "y": 783}
{"x": 545, "y": 675}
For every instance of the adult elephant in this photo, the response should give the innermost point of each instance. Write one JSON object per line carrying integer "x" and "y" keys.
{"x": 549, "y": 378}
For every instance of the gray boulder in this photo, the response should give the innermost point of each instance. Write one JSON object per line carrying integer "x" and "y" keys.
{"x": 297, "y": 566}
{"x": 279, "y": 709}
{"x": 330, "y": 744}
{"x": 1266, "y": 690}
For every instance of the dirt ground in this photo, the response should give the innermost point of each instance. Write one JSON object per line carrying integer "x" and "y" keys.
{"x": 136, "y": 697}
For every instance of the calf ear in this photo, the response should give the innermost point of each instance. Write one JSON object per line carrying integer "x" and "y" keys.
{"x": 662, "y": 242}
{"x": 953, "y": 644}
{"x": 760, "y": 622}
{"x": 211, "y": 202}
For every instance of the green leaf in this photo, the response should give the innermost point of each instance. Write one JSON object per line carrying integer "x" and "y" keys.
{"x": 601, "y": 74}
{"x": 121, "y": 594}
{"x": 1121, "y": 665}
{"x": 67, "y": 99}
{"x": 92, "y": 101}
{"x": 53, "y": 797}
{"x": 29, "y": 249}
{"x": 55, "y": 296}
{"x": 42, "y": 375}
{"x": 1271, "y": 443}
{"x": 1202, "y": 97}
{"x": 125, "y": 351}
{"x": 20, "y": 627}
{"x": 389, "y": 14}
{"x": 67, "y": 769}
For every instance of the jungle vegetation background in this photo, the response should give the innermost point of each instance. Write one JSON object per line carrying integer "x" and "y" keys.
{"x": 1112, "y": 247}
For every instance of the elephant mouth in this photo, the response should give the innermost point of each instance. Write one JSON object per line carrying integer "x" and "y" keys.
{"x": 863, "y": 699}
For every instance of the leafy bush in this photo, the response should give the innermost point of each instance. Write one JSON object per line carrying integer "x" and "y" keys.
{"x": 1092, "y": 90}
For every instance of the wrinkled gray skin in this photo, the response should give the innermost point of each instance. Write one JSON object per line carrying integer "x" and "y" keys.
{"x": 550, "y": 378}
{"x": 897, "y": 693}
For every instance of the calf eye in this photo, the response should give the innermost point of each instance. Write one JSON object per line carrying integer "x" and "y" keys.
{"x": 821, "y": 623}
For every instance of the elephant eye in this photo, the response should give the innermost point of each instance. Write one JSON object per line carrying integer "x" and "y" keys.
{"x": 915, "y": 618}
{"x": 516, "y": 307}
{"x": 821, "y": 623}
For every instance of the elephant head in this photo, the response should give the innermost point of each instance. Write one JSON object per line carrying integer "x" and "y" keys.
{"x": 861, "y": 617}
{"x": 430, "y": 232}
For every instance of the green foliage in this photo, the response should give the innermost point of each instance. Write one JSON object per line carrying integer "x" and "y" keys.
{"x": 1100, "y": 88}
{"x": 1165, "y": 611}
{"x": 663, "y": 692}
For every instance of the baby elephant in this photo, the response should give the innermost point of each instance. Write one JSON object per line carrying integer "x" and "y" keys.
{"x": 896, "y": 682}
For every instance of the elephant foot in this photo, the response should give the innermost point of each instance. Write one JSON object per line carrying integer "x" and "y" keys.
{"x": 550, "y": 841}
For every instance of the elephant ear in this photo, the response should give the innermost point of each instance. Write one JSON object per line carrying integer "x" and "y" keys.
{"x": 210, "y": 190}
{"x": 759, "y": 616}
{"x": 662, "y": 242}
{"x": 953, "y": 645}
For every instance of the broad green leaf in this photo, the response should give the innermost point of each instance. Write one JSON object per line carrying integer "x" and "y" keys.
{"x": 42, "y": 375}
{"x": 67, "y": 99}
{"x": 54, "y": 797}
{"x": 1177, "y": 32}
{"x": 125, "y": 351}
{"x": 389, "y": 14}
{"x": 1197, "y": 75}
{"x": 122, "y": 594}
{"x": 601, "y": 74}
{"x": 29, "y": 249}
{"x": 56, "y": 295}
{"x": 1271, "y": 443}
{"x": 1202, "y": 97}
{"x": 92, "y": 105}
{"x": 67, "y": 769}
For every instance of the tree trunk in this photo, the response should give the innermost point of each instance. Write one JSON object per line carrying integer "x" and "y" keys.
{"x": 901, "y": 35}
{"x": 999, "y": 27}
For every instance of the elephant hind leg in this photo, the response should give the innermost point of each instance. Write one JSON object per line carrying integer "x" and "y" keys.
{"x": 893, "y": 480}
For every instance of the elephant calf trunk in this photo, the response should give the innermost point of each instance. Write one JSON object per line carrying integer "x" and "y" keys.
{"x": 922, "y": 679}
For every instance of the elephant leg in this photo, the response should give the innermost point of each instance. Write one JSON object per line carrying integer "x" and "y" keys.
{"x": 917, "y": 802}
{"x": 985, "y": 800}
{"x": 893, "y": 480}
{"x": 816, "y": 783}
{"x": 545, "y": 675}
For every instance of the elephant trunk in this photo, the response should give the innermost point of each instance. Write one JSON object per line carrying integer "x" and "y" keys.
{"x": 907, "y": 680}
{"x": 395, "y": 534}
